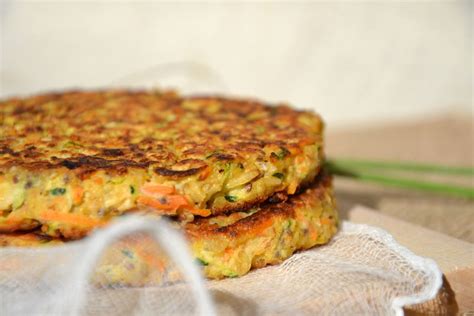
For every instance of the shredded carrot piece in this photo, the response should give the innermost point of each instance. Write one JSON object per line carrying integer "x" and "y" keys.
{"x": 152, "y": 189}
{"x": 182, "y": 201}
{"x": 13, "y": 220}
{"x": 70, "y": 218}
{"x": 11, "y": 223}
{"x": 313, "y": 233}
{"x": 205, "y": 173}
{"x": 169, "y": 203}
{"x": 78, "y": 193}
{"x": 262, "y": 227}
{"x": 177, "y": 201}
{"x": 201, "y": 212}
{"x": 150, "y": 259}
{"x": 154, "y": 203}
{"x": 300, "y": 216}
{"x": 326, "y": 221}
{"x": 99, "y": 181}
{"x": 306, "y": 141}
{"x": 299, "y": 159}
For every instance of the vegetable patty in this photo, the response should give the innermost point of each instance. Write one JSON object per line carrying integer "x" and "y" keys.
{"x": 69, "y": 162}
{"x": 225, "y": 245}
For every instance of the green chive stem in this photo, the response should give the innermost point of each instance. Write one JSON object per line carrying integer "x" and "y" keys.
{"x": 343, "y": 170}
{"x": 405, "y": 166}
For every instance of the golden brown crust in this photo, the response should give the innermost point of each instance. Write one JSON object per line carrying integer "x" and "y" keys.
{"x": 226, "y": 245}
{"x": 264, "y": 213}
{"x": 116, "y": 130}
{"x": 242, "y": 222}
{"x": 93, "y": 154}
{"x": 31, "y": 239}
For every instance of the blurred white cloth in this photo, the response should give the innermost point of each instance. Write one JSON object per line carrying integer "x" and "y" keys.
{"x": 362, "y": 271}
{"x": 351, "y": 61}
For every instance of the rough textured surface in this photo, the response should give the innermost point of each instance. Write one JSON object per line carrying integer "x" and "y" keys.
{"x": 90, "y": 153}
{"x": 226, "y": 245}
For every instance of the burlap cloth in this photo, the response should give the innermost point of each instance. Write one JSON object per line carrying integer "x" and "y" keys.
{"x": 443, "y": 140}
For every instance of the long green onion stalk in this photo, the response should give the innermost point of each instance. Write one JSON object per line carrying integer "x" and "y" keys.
{"x": 371, "y": 171}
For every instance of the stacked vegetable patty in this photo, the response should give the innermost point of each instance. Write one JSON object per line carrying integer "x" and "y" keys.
{"x": 225, "y": 245}
{"x": 71, "y": 162}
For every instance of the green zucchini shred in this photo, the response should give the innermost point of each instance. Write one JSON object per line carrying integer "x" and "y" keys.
{"x": 58, "y": 191}
{"x": 127, "y": 253}
{"x": 231, "y": 198}
{"x": 201, "y": 262}
{"x": 278, "y": 175}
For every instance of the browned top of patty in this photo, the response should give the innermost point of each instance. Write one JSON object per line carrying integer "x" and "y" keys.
{"x": 175, "y": 136}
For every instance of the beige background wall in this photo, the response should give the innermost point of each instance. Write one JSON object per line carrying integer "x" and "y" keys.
{"x": 352, "y": 61}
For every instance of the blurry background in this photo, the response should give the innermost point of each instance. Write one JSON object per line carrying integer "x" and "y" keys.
{"x": 354, "y": 62}
{"x": 393, "y": 80}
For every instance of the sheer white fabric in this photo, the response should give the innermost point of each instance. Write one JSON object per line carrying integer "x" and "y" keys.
{"x": 362, "y": 271}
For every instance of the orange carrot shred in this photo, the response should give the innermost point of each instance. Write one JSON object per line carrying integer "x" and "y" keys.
{"x": 177, "y": 200}
{"x": 70, "y": 218}
{"x": 313, "y": 233}
{"x": 78, "y": 193}
{"x": 201, "y": 212}
{"x": 99, "y": 181}
{"x": 326, "y": 221}
{"x": 262, "y": 227}
{"x": 156, "y": 204}
{"x": 152, "y": 189}
{"x": 299, "y": 159}
{"x": 168, "y": 203}
{"x": 205, "y": 173}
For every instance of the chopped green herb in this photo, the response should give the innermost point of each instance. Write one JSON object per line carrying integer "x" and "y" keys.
{"x": 201, "y": 262}
{"x": 231, "y": 198}
{"x": 127, "y": 253}
{"x": 132, "y": 189}
{"x": 251, "y": 211}
{"x": 278, "y": 175}
{"x": 58, "y": 191}
{"x": 283, "y": 153}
